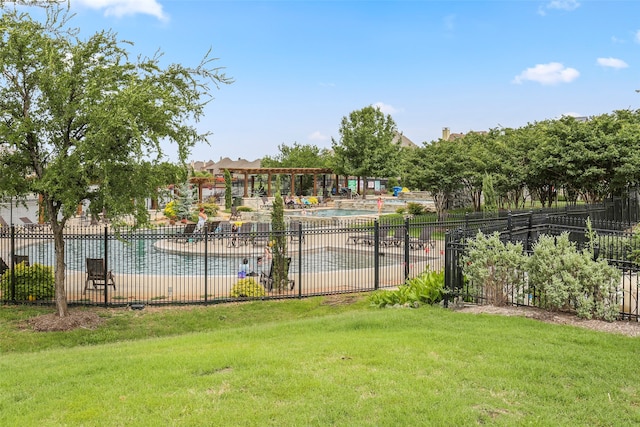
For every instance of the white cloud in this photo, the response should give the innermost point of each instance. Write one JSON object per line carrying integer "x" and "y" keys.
{"x": 566, "y": 5}
{"x": 548, "y": 74}
{"x": 387, "y": 109}
{"x": 317, "y": 136}
{"x": 120, "y": 8}
{"x": 612, "y": 63}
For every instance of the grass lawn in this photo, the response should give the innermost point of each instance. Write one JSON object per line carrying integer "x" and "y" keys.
{"x": 315, "y": 362}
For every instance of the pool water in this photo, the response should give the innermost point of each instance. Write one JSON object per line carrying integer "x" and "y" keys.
{"x": 141, "y": 257}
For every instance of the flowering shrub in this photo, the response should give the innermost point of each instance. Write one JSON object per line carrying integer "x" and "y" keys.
{"x": 247, "y": 288}
{"x": 35, "y": 282}
{"x": 170, "y": 210}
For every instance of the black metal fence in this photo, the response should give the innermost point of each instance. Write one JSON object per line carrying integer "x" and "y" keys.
{"x": 180, "y": 265}
{"x": 614, "y": 241}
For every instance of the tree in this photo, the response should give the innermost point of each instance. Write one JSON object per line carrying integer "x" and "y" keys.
{"x": 80, "y": 121}
{"x": 366, "y": 147}
{"x": 279, "y": 241}
{"x": 227, "y": 189}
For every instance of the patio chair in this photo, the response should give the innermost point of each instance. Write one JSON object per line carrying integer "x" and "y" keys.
{"x": 187, "y": 233}
{"x": 262, "y": 234}
{"x": 266, "y": 280}
{"x": 97, "y": 276}
{"x": 422, "y": 240}
{"x": 235, "y": 215}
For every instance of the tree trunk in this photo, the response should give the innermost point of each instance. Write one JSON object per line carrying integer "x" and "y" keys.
{"x": 57, "y": 228}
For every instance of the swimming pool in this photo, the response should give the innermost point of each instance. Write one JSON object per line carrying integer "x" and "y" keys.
{"x": 139, "y": 256}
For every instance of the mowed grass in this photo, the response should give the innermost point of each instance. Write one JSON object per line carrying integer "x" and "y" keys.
{"x": 316, "y": 363}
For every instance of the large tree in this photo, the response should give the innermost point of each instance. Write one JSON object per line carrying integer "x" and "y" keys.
{"x": 81, "y": 121}
{"x": 366, "y": 147}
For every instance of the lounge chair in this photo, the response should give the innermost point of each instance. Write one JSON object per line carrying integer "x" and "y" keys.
{"x": 360, "y": 236}
{"x": 223, "y": 230}
{"x": 17, "y": 259}
{"x": 262, "y": 233}
{"x": 266, "y": 204}
{"x": 3, "y": 266}
{"x": 30, "y": 225}
{"x": 97, "y": 276}
{"x": 187, "y": 233}
{"x": 267, "y": 280}
{"x": 5, "y": 229}
{"x": 294, "y": 229}
{"x": 235, "y": 214}
{"x": 423, "y": 240}
{"x": 244, "y": 232}
{"x": 395, "y": 240}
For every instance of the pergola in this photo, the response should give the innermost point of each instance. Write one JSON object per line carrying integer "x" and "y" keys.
{"x": 292, "y": 172}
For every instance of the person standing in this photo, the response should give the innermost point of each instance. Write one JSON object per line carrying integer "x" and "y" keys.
{"x": 380, "y": 203}
{"x": 202, "y": 219}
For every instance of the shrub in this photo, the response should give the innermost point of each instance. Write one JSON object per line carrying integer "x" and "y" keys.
{"x": 247, "y": 288}
{"x": 35, "y": 282}
{"x": 244, "y": 209}
{"x": 427, "y": 288}
{"x": 170, "y": 210}
{"x": 415, "y": 208}
{"x": 565, "y": 276}
{"x": 400, "y": 210}
{"x": 210, "y": 208}
{"x": 493, "y": 268}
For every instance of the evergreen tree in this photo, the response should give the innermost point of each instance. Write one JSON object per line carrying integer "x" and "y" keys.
{"x": 227, "y": 189}
{"x": 279, "y": 242}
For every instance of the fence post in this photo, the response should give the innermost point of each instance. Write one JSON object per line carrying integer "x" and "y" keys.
{"x": 406, "y": 249}
{"x": 448, "y": 273}
{"x": 376, "y": 254}
{"x": 106, "y": 265}
{"x": 510, "y": 225}
{"x": 205, "y": 230}
{"x": 300, "y": 240}
{"x": 11, "y": 263}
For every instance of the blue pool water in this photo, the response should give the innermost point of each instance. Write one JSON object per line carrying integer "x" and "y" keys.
{"x": 141, "y": 257}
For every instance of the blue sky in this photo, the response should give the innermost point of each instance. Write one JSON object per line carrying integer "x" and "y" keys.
{"x": 299, "y": 67}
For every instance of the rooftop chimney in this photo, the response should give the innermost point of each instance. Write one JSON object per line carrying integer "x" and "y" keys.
{"x": 446, "y": 134}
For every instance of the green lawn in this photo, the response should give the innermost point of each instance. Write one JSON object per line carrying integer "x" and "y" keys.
{"x": 315, "y": 363}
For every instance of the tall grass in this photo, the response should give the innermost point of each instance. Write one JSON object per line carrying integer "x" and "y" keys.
{"x": 315, "y": 363}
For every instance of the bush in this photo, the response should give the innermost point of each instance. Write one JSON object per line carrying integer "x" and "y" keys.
{"x": 493, "y": 268}
{"x": 244, "y": 209}
{"x": 35, "y": 282}
{"x": 427, "y": 288}
{"x": 415, "y": 208}
{"x": 565, "y": 276}
{"x": 170, "y": 210}
{"x": 400, "y": 210}
{"x": 247, "y": 288}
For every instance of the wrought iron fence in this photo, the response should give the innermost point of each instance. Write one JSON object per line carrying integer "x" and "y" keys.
{"x": 183, "y": 265}
{"x": 614, "y": 242}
